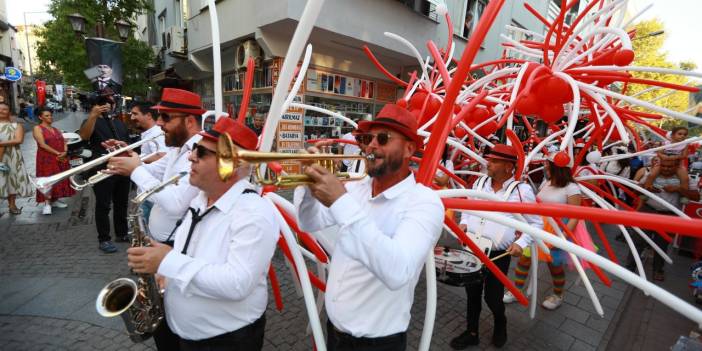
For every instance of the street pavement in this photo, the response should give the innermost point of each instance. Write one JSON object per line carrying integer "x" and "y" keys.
{"x": 51, "y": 272}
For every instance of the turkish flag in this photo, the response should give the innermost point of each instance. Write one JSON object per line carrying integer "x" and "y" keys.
{"x": 41, "y": 93}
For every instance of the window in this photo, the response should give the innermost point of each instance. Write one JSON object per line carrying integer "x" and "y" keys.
{"x": 472, "y": 15}
{"x": 162, "y": 27}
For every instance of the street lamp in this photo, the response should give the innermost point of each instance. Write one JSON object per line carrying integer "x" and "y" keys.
{"x": 123, "y": 28}
{"x": 77, "y": 22}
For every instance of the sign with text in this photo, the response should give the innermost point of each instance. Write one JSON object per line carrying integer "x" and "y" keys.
{"x": 290, "y": 136}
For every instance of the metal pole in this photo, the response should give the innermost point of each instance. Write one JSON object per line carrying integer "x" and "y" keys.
{"x": 29, "y": 51}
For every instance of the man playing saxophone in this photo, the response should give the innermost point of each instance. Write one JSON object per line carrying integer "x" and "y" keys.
{"x": 216, "y": 293}
{"x": 388, "y": 225}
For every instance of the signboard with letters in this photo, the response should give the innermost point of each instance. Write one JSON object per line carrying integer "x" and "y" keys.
{"x": 290, "y": 136}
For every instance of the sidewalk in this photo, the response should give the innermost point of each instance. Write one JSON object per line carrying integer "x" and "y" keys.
{"x": 51, "y": 272}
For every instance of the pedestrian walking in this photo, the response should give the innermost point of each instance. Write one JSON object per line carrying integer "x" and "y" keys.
{"x": 51, "y": 159}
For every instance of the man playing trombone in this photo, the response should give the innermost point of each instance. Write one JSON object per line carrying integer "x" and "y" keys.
{"x": 216, "y": 293}
{"x": 388, "y": 224}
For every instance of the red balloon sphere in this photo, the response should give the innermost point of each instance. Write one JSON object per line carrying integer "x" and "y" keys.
{"x": 487, "y": 129}
{"x": 528, "y": 105}
{"x": 561, "y": 159}
{"x": 480, "y": 114}
{"x": 556, "y": 91}
{"x": 433, "y": 107}
{"x": 402, "y": 103}
{"x": 551, "y": 113}
{"x": 623, "y": 57}
{"x": 417, "y": 100}
{"x": 459, "y": 132}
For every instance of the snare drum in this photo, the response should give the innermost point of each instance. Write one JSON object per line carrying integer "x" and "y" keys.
{"x": 457, "y": 267}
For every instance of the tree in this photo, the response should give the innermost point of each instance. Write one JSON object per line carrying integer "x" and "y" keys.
{"x": 59, "y": 51}
{"x": 649, "y": 53}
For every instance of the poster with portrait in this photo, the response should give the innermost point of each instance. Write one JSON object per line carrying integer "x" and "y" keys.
{"x": 105, "y": 57}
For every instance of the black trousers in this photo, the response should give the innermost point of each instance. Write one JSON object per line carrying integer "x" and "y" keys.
{"x": 113, "y": 193}
{"x": 494, "y": 291}
{"x": 340, "y": 341}
{"x": 640, "y": 244}
{"x": 165, "y": 338}
{"x": 248, "y": 338}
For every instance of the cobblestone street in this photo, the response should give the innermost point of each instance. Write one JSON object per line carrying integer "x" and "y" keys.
{"x": 51, "y": 272}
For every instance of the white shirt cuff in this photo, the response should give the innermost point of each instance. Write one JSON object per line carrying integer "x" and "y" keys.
{"x": 179, "y": 269}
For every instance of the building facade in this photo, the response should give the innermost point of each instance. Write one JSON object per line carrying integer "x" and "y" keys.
{"x": 11, "y": 55}
{"x": 340, "y": 77}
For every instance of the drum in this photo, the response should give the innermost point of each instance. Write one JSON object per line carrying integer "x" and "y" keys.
{"x": 457, "y": 267}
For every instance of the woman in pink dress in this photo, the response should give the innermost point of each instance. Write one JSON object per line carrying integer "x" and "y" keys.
{"x": 51, "y": 159}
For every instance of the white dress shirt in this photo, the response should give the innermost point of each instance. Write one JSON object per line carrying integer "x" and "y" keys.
{"x": 503, "y": 236}
{"x": 150, "y": 147}
{"x": 375, "y": 264}
{"x": 171, "y": 203}
{"x": 219, "y": 285}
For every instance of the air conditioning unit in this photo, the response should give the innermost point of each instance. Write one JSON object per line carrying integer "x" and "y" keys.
{"x": 246, "y": 50}
{"x": 175, "y": 41}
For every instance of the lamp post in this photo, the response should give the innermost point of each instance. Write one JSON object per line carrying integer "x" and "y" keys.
{"x": 78, "y": 25}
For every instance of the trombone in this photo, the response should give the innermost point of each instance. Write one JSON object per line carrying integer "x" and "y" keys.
{"x": 229, "y": 157}
{"x": 99, "y": 176}
{"x": 44, "y": 184}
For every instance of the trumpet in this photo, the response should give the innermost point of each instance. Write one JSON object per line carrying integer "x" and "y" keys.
{"x": 229, "y": 157}
{"x": 44, "y": 184}
{"x": 79, "y": 185}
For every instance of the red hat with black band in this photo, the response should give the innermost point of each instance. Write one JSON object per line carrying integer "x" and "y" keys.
{"x": 240, "y": 134}
{"x": 502, "y": 152}
{"x": 179, "y": 100}
{"x": 396, "y": 118}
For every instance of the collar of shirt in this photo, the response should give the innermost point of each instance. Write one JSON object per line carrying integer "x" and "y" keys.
{"x": 394, "y": 191}
{"x": 488, "y": 186}
{"x": 188, "y": 146}
{"x": 151, "y": 132}
{"x": 227, "y": 201}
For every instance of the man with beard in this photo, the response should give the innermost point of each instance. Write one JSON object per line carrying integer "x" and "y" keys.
{"x": 180, "y": 116}
{"x": 388, "y": 224}
{"x": 145, "y": 118}
{"x": 98, "y": 128}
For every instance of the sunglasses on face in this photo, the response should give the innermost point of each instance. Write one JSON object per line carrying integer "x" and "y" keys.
{"x": 367, "y": 138}
{"x": 201, "y": 151}
{"x": 166, "y": 117}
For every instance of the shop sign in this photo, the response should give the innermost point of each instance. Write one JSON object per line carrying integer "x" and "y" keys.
{"x": 290, "y": 138}
{"x": 13, "y": 74}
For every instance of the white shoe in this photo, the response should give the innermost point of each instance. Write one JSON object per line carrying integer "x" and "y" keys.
{"x": 509, "y": 297}
{"x": 46, "y": 210}
{"x": 552, "y": 302}
{"x": 59, "y": 204}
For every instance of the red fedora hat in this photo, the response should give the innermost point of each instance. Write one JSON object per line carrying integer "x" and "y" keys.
{"x": 238, "y": 132}
{"x": 179, "y": 100}
{"x": 502, "y": 152}
{"x": 397, "y": 118}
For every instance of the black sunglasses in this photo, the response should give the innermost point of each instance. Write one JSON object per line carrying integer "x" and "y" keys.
{"x": 367, "y": 138}
{"x": 166, "y": 117}
{"x": 201, "y": 151}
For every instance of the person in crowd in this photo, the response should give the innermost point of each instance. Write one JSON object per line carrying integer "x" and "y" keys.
{"x": 145, "y": 119}
{"x": 14, "y": 180}
{"x": 387, "y": 226}
{"x": 355, "y": 166}
{"x": 215, "y": 274}
{"x": 561, "y": 188}
{"x": 51, "y": 159}
{"x": 499, "y": 181}
{"x": 442, "y": 179}
{"x": 113, "y": 192}
{"x": 671, "y": 188}
{"x": 676, "y": 153}
{"x": 259, "y": 121}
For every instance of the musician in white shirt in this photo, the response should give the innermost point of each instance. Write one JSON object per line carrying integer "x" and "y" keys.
{"x": 216, "y": 290}
{"x": 388, "y": 224}
{"x": 500, "y": 181}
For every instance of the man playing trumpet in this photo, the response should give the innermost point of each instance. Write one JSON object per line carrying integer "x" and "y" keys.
{"x": 216, "y": 293}
{"x": 388, "y": 225}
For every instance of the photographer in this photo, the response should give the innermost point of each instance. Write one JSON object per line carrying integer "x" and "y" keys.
{"x": 101, "y": 126}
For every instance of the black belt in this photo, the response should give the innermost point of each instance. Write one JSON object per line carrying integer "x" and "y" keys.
{"x": 363, "y": 341}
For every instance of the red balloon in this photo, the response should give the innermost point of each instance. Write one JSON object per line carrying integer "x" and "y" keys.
{"x": 487, "y": 129}
{"x": 557, "y": 91}
{"x": 402, "y": 103}
{"x": 460, "y": 132}
{"x": 528, "y": 105}
{"x": 561, "y": 159}
{"x": 551, "y": 113}
{"x": 456, "y": 109}
{"x": 417, "y": 100}
{"x": 416, "y": 114}
{"x": 623, "y": 57}
{"x": 480, "y": 114}
{"x": 433, "y": 107}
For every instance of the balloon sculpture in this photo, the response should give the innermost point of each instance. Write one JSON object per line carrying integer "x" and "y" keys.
{"x": 564, "y": 78}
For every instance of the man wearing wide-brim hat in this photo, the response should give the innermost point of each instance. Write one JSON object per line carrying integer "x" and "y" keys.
{"x": 499, "y": 181}
{"x": 388, "y": 223}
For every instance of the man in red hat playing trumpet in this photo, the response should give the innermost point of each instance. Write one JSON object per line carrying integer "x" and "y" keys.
{"x": 216, "y": 290}
{"x": 500, "y": 182}
{"x": 388, "y": 224}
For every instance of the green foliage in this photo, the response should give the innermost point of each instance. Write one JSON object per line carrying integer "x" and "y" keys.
{"x": 649, "y": 53}
{"x": 62, "y": 54}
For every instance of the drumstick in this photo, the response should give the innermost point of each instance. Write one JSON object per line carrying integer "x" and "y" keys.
{"x": 500, "y": 256}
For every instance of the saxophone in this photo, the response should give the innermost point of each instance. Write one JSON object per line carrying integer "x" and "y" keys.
{"x": 139, "y": 303}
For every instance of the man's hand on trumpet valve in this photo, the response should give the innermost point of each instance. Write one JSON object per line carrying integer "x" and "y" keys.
{"x": 123, "y": 165}
{"x": 113, "y": 144}
{"x": 146, "y": 259}
{"x": 327, "y": 188}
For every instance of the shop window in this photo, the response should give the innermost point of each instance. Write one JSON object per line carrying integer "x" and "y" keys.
{"x": 263, "y": 78}
{"x": 319, "y": 125}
